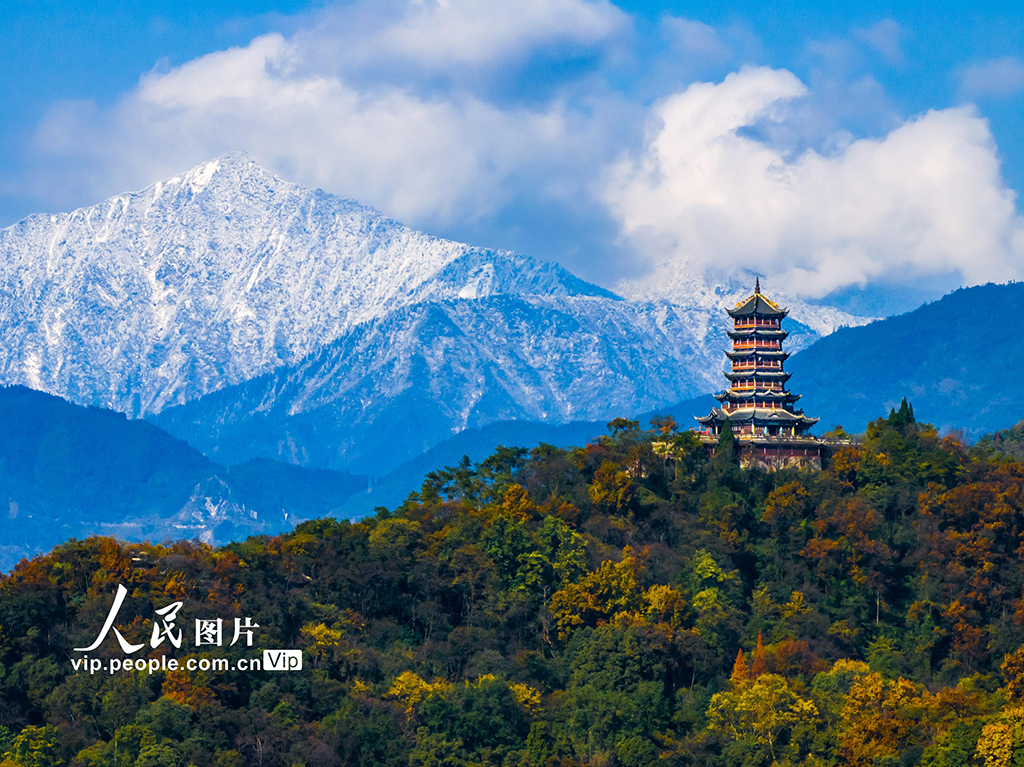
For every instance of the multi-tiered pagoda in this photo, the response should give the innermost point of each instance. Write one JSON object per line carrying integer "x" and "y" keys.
{"x": 768, "y": 430}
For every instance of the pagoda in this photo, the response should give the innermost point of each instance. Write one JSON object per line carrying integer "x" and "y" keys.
{"x": 757, "y": 406}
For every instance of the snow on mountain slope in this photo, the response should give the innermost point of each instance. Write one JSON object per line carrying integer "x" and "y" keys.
{"x": 393, "y": 387}
{"x": 155, "y": 297}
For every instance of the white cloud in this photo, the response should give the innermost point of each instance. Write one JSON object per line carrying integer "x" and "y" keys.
{"x": 440, "y": 34}
{"x": 403, "y": 105}
{"x": 886, "y": 38}
{"x": 927, "y": 198}
{"x": 301, "y": 106}
{"x": 696, "y": 50}
{"x": 696, "y": 39}
{"x": 996, "y": 78}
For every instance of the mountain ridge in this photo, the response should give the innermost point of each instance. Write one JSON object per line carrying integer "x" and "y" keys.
{"x": 154, "y": 297}
{"x": 154, "y": 300}
{"x": 952, "y": 358}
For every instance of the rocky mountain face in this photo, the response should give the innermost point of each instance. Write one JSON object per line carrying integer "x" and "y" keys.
{"x": 300, "y": 326}
{"x": 690, "y": 288}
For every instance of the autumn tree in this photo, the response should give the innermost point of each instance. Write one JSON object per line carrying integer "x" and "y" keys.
{"x": 762, "y": 712}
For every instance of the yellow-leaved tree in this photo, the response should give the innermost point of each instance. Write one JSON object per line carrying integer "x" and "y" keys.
{"x": 613, "y": 592}
{"x": 598, "y": 596}
{"x": 759, "y": 711}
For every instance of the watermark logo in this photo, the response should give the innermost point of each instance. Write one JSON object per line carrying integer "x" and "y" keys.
{"x": 208, "y": 632}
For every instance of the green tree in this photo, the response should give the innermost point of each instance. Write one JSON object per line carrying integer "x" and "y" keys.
{"x": 34, "y": 747}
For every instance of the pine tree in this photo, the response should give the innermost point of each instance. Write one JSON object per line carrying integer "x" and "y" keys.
{"x": 740, "y": 672}
{"x": 725, "y": 452}
{"x": 903, "y": 416}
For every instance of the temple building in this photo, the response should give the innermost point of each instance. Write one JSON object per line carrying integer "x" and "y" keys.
{"x": 757, "y": 406}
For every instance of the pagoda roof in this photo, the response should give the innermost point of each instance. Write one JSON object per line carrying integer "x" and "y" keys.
{"x": 757, "y": 304}
{"x": 762, "y": 394}
{"x": 772, "y": 353}
{"x": 770, "y": 334}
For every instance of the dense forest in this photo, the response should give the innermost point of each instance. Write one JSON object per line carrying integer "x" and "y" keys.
{"x": 631, "y": 602}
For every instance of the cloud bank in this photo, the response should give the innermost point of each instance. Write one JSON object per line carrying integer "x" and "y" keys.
{"x": 308, "y": 107}
{"x": 504, "y": 124}
{"x": 926, "y": 198}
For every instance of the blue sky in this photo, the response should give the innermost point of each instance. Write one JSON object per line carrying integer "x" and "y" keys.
{"x": 568, "y": 129}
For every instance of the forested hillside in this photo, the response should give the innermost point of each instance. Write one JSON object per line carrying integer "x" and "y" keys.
{"x": 631, "y": 602}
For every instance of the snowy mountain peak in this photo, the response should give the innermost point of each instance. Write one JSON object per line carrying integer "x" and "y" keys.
{"x": 229, "y": 168}
{"x": 214, "y": 276}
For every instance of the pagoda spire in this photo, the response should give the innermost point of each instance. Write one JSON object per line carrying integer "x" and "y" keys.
{"x": 757, "y": 286}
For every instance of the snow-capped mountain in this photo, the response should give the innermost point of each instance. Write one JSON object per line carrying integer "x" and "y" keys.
{"x": 152, "y": 298}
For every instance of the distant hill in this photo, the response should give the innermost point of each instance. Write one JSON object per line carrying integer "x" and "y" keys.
{"x": 71, "y": 471}
{"x": 1009, "y": 442}
{"x": 956, "y": 359}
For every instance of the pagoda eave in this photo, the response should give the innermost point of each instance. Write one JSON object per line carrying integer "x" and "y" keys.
{"x": 764, "y": 394}
{"x": 758, "y": 415}
{"x": 776, "y": 415}
{"x": 774, "y": 354}
{"x": 770, "y": 335}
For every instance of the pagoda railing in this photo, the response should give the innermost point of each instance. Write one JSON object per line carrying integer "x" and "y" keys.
{"x": 752, "y": 405}
{"x": 756, "y": 387}
{"x": 752, "y": 365}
